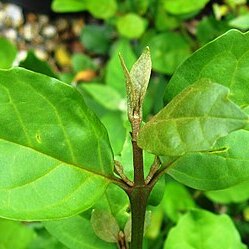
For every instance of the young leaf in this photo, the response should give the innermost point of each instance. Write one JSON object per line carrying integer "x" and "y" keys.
{"x": 193, "y": 121}
{"x": 76, "y": 233}
{"x": 54, "y": 152}
{"x": 227, "y": 164}
{"x": 223, "y": 60}
{"x": 137, "y": 81}
{"x": 105, "y": 225}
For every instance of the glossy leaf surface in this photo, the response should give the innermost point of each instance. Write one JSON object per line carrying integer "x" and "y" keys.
{"x": 54, "y": 152}
{"x": 200, "y": 229}
{"x": 224, "y": 60}
{"x": 193, "y": 121}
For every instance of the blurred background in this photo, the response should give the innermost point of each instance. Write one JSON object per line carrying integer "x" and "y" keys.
{"x": 77, "y": 41}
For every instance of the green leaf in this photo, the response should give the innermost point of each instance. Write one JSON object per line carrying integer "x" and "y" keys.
{"x": 113, "y": 121}
{"x": 102, "y": 9}
{"x": 234, "y": 194}
{"x": 45, "y": 241}
{"x": 68, "y": 6}
{"x": 157, "y": 217}
{"x": 8, "y": 53}
{"x": 105, "y": 225}
{"x": 131, "y": 25}
{"x": 193, "y": 121}
{"x": 76, "y": 233}
{"x": 209, "y": 28}
{"x": 141, "y": 6}
{"x": 168, "y": 50}
{"x": 114, "y": 74}
{"x": 106, "y": 95}
{"x": 82, "y": 62}
{"x": 227, "y": 164}
{"x": 32, "y": 63}
{"x": 15, "y": 235}
{"x": 62, "y": 153}
{"x": 240, "y": 22}
{"x": 223, "y": 60}
{"x": 200, "y": 229}
{"x": 96, "y": 38}
{"x": 177, "y": 200}
{"x": 163, "y": 20}
{"x": 157, "y": 193}
{"x": 116, "y": 202}
{"x": 179, "y": 7}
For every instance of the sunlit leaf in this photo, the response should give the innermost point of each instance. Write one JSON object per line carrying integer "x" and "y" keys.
{"x": 54, "y": 152}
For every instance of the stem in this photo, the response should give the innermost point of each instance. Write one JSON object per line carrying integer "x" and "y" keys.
{"x": 138, "y": 165}
{"x": 139, "y": 192}
{"x": 138, "y": 200}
